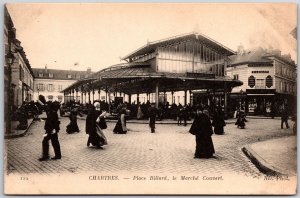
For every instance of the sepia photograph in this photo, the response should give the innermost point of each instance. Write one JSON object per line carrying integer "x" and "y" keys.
{"x": 150, "y": 98}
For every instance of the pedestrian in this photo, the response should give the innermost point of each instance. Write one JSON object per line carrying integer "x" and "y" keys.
{"x": 52, "y": 128}
{"x": 218, "y": 122}
{"x": 96, "y": 136}
{"x": 22, "y": 118}
{"x": 120, "y": 127}
{"x": 184, "y": 115}
{"x": 285, "y": 117}
{"x": 72, "y": 127}
{"x": 202, "y": 129}
{"x": 179, "y": 114}
{"x": 152, "y": 116}
{"x": 139, "y": 112}
{"x": 294, "y": 119}
{"x": 240, "y": 122}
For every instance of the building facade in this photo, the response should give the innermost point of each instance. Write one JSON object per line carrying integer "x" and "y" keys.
{"x": 18, "y": 75}
{"x": 50, "y": 83}
{"x": 194, "y": 54}
{"x": 269, "y": 79}
{"x": 165, "y": 72}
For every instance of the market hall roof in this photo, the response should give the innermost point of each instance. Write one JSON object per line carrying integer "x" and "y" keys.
{"x": 140, "y": 77}
{"x": 151, "y": 46}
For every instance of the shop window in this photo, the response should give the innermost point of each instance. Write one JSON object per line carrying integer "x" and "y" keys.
{"x": 251, "y": 81}
{"x": 269, "y": 81}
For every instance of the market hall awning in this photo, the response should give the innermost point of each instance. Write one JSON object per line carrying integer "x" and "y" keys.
{"x": 78, "y": 83}
{"x": 136, "y": 78}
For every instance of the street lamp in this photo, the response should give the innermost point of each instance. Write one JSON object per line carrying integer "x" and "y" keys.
{"x": 9, "y": 58}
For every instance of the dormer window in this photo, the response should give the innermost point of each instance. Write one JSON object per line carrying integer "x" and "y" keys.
{"x": 69, "y": 76}
{"x": 41, "y": 75}
{"x": 50, "y": 75}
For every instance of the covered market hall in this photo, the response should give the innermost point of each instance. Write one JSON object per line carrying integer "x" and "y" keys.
{"x": 192, "y": 64}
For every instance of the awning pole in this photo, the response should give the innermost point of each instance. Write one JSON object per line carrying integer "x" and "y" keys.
{"x": 156, "y": 94}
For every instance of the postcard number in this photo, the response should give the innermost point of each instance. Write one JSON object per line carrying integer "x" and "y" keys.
{"x": 24, "y": 178}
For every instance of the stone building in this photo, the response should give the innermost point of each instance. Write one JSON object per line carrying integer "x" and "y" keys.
{"x": 18, "y": 74}
{"x": 269, "y": 81}
{"x": 159, "y": 69}
{"x": 50, "y": 82}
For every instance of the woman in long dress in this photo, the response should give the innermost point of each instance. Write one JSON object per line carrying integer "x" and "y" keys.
{"x": 72, "y": 127}
{"x": 96, "y": 136}
{"x": 218, "y": 122}
{"x": 120, "y": 127}
{"x": 139, "y": 113}
{"x": 202, "y": 129}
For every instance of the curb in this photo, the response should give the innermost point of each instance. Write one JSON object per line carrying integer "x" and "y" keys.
{"x": 260, "y": 163}
{"x": 258, "y": 117}
{"x": 21, "y": 134}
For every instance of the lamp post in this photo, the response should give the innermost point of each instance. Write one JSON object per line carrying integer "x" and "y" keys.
{"x": 9, "y": 58}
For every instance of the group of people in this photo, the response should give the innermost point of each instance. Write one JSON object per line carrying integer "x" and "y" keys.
{"x": 120, "y": 127}
{"x": 52, "y": 128}
{"x": 204, "y": 125}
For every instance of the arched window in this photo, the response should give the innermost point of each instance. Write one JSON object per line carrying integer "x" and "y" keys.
{"x": 251, "y": 81}
{"x": 269, "y": 81}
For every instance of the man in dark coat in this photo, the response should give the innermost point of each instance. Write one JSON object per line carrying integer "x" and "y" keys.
{"x": 96, "y": 137}
{"x": 285, "y": 117}
{"x": 218, "y": 122}
{"x": 202, "y": 129}
{"x": 52, "y": 128}
{"x": 152, "y": 111}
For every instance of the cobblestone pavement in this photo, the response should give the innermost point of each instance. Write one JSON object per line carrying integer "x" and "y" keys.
{"x": 170, "y": 150}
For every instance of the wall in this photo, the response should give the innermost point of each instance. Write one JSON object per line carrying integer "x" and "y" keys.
{"x": 55, "y": 92}
{"x": 260, "y": 73}
{"x": 243, "y": 73}
{"x": 189, "y": 56}
{"x": 285, "y": 78}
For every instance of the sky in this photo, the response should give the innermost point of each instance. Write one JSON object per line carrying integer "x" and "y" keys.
{"x": 97, "y": 35}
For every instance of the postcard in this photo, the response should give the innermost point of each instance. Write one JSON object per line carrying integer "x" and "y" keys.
{"x": 150, "y": 98}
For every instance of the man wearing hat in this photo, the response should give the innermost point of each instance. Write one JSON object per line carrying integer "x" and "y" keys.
{"x": 152, "y": 111}
{"x": 52, "y": 128}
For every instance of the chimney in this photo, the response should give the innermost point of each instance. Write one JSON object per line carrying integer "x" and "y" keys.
{"x": 46, "y": 68}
